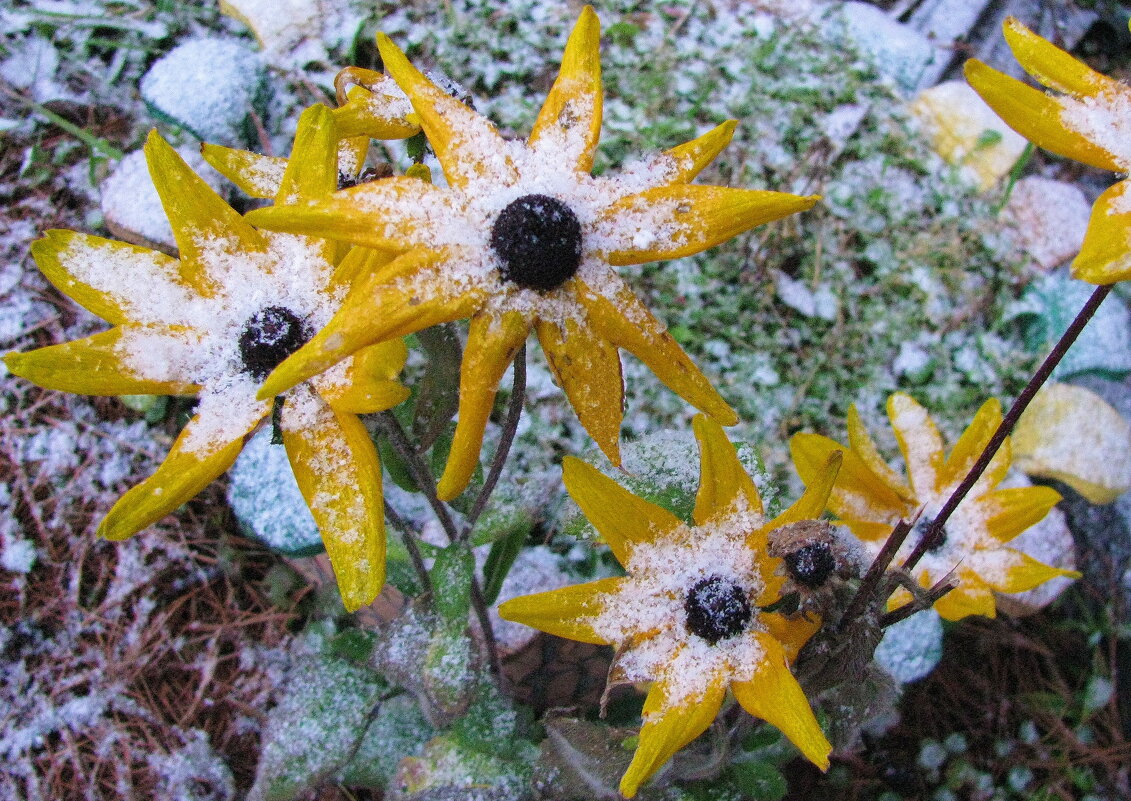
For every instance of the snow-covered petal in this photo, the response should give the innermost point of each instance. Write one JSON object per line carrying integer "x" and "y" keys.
{"x": 257, "y": 175}
{"x": 338, "y": 472}
{"x": 1105, "y": 255}
{"x": 373, "y": 106}
{"x": 1011, "y": 511}
{"x": 312, "y": 169}
{"x": 692, "y": 157}
{"x": 858, "y": 492}
{"x": 564, "y": 612}
{"x": 185, "y": 472}
{"x": 722, "y": 479}
{"x": 919, "y": 441}
{"x": 588, "y": 369}
{"x": 621, "y": 518}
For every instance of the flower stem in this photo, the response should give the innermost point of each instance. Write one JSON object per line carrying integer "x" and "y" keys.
{"x": 413, "y": 549}
{"x": 875, "y": 572}
{"x": 420, "y": 472}
{"x": 934, "y": 530}
{"x": 506, "y": 439}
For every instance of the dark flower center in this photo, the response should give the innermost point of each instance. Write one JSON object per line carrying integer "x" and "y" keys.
{"x": 920, "y": 530}
{"x": 270, "y": 336}
{"x": 537, "y": 239}
{"x": 811, "y": 564}
{"x": 717, "y": 608}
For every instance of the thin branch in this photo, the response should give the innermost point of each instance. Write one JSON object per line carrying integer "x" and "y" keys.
{"x": 420, "y": 472}
{"x": 875, "y": 572}
{"x": 413, "y": 549}
{"x": 944, "y": 585}
{"x": 479, "y": 603}
{"x": 934, "y": 529}
{"x": 510, "y": 427}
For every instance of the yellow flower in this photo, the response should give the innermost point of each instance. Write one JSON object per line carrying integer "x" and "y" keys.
{"x": 214, "y": 323}
{"x": 870, "y": 497}
{"x": 1090, "y": 122}
{"x": 524, "y": 237}
{"x": 688, "y": 614}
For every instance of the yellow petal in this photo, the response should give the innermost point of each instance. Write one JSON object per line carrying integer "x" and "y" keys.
{"x": 812, "y": 503}
{"x": 395, "y": 213}
{"x": 669, "y": 728}
{"x": 691, "y": 157}
{"x": 1105, "y": 255}
{"x": 775, "y": 696}
{"x": 627, "y": 323}
{"x": 1026, "y": 573}
{"x": 371, "y": 105}
{"x": 91, "y": 366}
{"x": 370, "y": 384}
{"x": 862, "y": 444}
{"x": 919, "y": 440}
{"x": 312, "y": 169}
{"x": 492, "y": 343}
{"x": 376, "y": 310}
{"x": 199, "y": 217}
{"x": 563, "y": 612}
{"x": 694, "y": 218}
{"x": 1052, "y": 66}
{"x": 1011, "y": 511}
{"x": 970, "y": 597}
{"x": 858, "y": 492}
{"x": 466, "y": 144}
{"x": 1034, "y": 115}
{"x": 722, "y": 478}
{"x": 182, "y": 475}
{"x": 621, "y": 518}
{"x": 256, "y": 175}
{"x": 970, "y": 446}
{"x": 337, "y": 470}
{"x": 588, "y": 370}
{"x": 792, "y": 633}
{"x": 59, "y": 254}
{"x": 869, "y": 531}
{"x": 570, "y": 119}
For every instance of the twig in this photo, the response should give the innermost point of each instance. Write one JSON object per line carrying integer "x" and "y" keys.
{"x": 420, "y": 472}
{"x": 934, "y": 529}
{"x": 875, "y": 572}
{"x": 944, "y": 585}
{"x": 510, "y": 427}
{"x": 479, "y": 603}
{"x": 413, "y": 549}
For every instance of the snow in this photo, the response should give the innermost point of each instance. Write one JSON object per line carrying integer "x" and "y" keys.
{"x": 1050, "y": 218}
{"x": 207, "y": 86}
{"x": 911, "y": 648}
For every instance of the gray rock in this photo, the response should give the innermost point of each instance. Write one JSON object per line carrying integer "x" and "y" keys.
{"x": 898, "y": 51}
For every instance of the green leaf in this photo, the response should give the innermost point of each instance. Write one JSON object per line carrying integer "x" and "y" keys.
{"x": 759, "y": 781}
{"x": 437, "y": 391}
{"x": 504, "y": 551}
{"x": 451, "y": 582}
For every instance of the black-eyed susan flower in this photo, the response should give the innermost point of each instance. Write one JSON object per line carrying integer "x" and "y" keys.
{"x": 523, "y": 236}
{"x": 1089, "y": 122}
{"x": 688, "y": 615}
{"x": 870, "y": 497}
{"x": 215, "y": 323}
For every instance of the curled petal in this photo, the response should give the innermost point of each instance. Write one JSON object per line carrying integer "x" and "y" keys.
{"x": 370, "y": 384}
{"x": 1011, "y": 511}
{"x": 722, "y": 478}
{"x": 669, "y": 728}
{"x": 621, "y": 518}
{"x": 183, "y": 474}
{"x": 858, "y": 493}
{"x": 627, "y": 323}
{"x": 397, "y": 213}
{"x": 258, "y": 176}
{"x": 1035, "y": 115}
{"x": 692, "y": 157}
{"x": 492, "y": 344}
{"x": 1052, "y": 66}
{"x": 338, "y": 472}
{"x": 64, "y": 255}
{"x": 862, "y": 444}
{"x": 199, "y": 217}
{"x": 563, "y": 612}
{"x": 813, "y": 501}
{"x": 668, "y": 222}
{"x": 95, "y": 365}
{"x": 588, "y": 369}
{"x": 1105, "y": 255}
{"x": 466, "y": 144}
{"x": 373, "y": 106}
{"x": 570, "y": 119}
{"x": 775, "y": 696}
